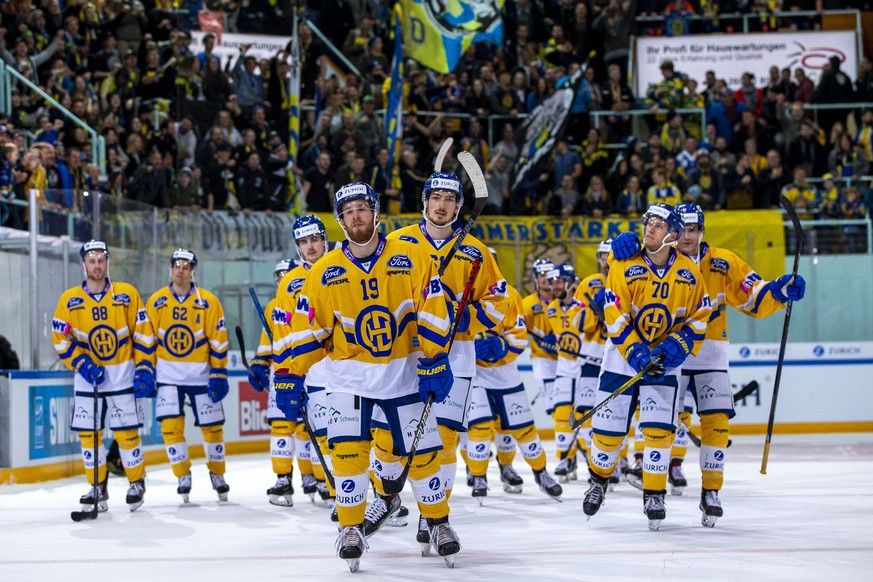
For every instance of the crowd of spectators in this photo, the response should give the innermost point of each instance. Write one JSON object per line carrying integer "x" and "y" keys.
{"x": 185, "y": 130}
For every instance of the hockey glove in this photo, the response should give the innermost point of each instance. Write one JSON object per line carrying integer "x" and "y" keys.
{"x": 548, "y": 344}
{"x": 626, "y": 246}
{"x": 87, "y": 369}
{"x": 639, "y": 358}
{"x": 144, "y": 381}
{"x": 218, "y": 386}
{"x": 259, "y": 376}
{"x": 787, "y": 288}
{"x": 464, "y": 321}
{"x": 491, "y": 349}
{"x": 435, "y": 376}
{"x": 289, "y": 393}
{"x": 675, "y": 347}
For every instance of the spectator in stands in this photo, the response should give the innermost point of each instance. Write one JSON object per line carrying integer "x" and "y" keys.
{"x": 412, "y": 181}
{"x": 802, "y": 194}
{"x": 807, "y": 151}
{"x": 21, "y": 61}
{"x": 833, "y": 87}
{"x": 251, "y": 184}
{"x": 149, "y": 182}
{"x": 710, "y": 182}
{"x": 726, "y": 114}
{"x": 248, "y": 84}
{"x": 370, "y": 127}
{"x": 750, "y": 127}
{"x": 381, "y": 181}
{"x": 565, "y": 162}
{"x": 186, "y": 142}
{"x": 771, "y": 181}
{"x": 749, "y": 95}
{"x": 667, "y": 94}
{"x": 675, "y": 174}
{"x": 596, "y": 201}
{"x": 739, "y": 185}
{"x": 864, "y": 137}
{"x": 673, "y": 134}
{"x": 846, "y": 161}
{"x": 615, "y": 95}
{"x": 829, "y": 197}
{"x": 318, "y": 185}
{"x": 504, "y": 100}
{"x": 756, "y": 162}
{"x": 661, "y": 190}
{"x": 186, "y": 194}
{"x": 564, "y": 199}
{"x": 687, "y": 158}
{"x": 8, "y": 357}
{"x": 631, "y": 200}
{"x": 497, "y": 178}
{"x": 217, "y": 177}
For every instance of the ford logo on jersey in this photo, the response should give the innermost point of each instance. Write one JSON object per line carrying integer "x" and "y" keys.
{"x": 409, "y": 239}
{"x": 399, "y": 262}
{"x": 296, "y": 284}
{"x": 121, "y": 298}
{"x": 634, "y": 271}
{"x": 720, "y": 264}
{"x": 331, "y": 273}
{"x": 687, "y": 275}
{"x": 160, "y": 301}
{"x": 75, "y": 302}
{"x": 471, "y": 251}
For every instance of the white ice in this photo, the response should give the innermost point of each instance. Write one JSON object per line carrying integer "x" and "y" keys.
{"x": 809, "y": 518}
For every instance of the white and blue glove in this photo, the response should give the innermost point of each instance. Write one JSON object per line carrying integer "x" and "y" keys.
{"x": 435, "y": 377}
{"x": 626, "y": 246}
{"x": 259, "y": 375}
{"x": 676, "y": 347}
{"x": 218, "y": 387}
{"x": 87, "y": 369}
{"x": 144, "y": 381}
{"x": 787, "y": 288}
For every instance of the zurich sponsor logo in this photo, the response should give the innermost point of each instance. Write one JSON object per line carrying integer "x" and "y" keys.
{"x": 135, "y": 453}
{"x": 602, "y": 457}
{"x": 399, "y": 262}
{"x": 655, "y": 456}
{"x": 219, "y": 449}
{"x": 331, "y": 273}
{"x": 745, "y": 352}
{"x": 480, "y": 447}
{"x": 687, "y": 275}
{"x": 172, "y": 450}
{"x": 532, "y": 446}
{"x": 634, "y": 271}
{"x": 562, "y": 437}
{"x": 719, "y": 455}
{"x": 281, "y": 443}
{"x": 377, "y": 465}
{"x": 160, "y": 301}
{"x": 348, "y": 486}
{"x": 818, "y": 351}
{"x": 88, "y": 455}
{"x": 75, "y": 302}
{"x": 434, "y": 484}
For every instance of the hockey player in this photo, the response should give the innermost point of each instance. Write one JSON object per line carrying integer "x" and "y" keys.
{"x": 498, "y": 394}
{"x": 435, "y": 234}
{"x": 382, "y": 307}
{"x": 544, "y": 358}
{"x": 191, "y": 363}
{"x": 656, "y": 310}
{"x": 565, "y": 314}
{"x": 101, "y": 332}
{"x": 730, "y": 281}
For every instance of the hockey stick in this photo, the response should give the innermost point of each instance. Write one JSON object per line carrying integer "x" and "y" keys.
{"x": 556, "y": 348}
{"x": 393, "y": 486}
{"x": 441, "y": 155}
{"x": 746, "y": 390}
{"x": 92, "y": 513}
{"x": 480, "y": 189}
{"x": 653, "y": 365}
{"x": 798, "y": 242}
{"x": 327, "y": 474}
{"x": 242, "y": 350}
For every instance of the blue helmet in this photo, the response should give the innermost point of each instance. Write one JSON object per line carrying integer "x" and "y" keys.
{"x": 307, "y": 226}
{"x": 566, "y": 271}
{"x": 443, "y": 181}
{"x": 604, "y": 247}
{"x": 94, "y": 245}
{"x": 184, "y": 255}
{"x": 541, "y": 266}
{"x": 668, "y": 214}
{"x": 354, "y": 191}
{"x": 283, "y": 267}
{"x": 691, "y": 214}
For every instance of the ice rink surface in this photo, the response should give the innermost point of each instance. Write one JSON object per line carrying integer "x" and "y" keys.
{"x": 809, "y": 518}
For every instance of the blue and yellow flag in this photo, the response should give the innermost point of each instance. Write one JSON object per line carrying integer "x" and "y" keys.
{"x": 294, "y": 116}
{"x": 437, "y": 32}
{"x": 394, "y": 110}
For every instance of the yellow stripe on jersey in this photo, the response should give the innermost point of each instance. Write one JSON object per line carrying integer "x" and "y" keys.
{"x": 191, "y": 335}
{"x": 111, "y": 328}
{"x": 644, "y": 307}
{"x": 512, "y": 329}
{"x": 537, "y": 322}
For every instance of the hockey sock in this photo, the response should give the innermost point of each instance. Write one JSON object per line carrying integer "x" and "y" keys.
{"x": 506, "y": 445}
{"x": 656, "y": 458}
{"x": 282, "y": 446}
{"x": 173, "y": 431}
{"x": 714, "y": 431}
{"x": 479, "y": 447}
{"x": 302, "y": 449}
{"x": 87, "y": 440}
{"x": 213, "y": 437}
{"x": 680, "y": 443}
{"x": 531, "y": 447}
{"x": 424, "y": 477}
{"x": 462, "y": 447}
{"x": 350, "y": 462}
{"x": 565, "y": 449}
{"x": 604, "y": 454}
{"x": 448, "y": 457}
{"x": 131, "y": 454}
{"x": 386, "y": 464}
{"x": 639, "y": 439}
{"x": 328, "y": 460}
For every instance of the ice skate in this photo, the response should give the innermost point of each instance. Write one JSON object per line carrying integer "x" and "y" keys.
{"x": 469, "y": 477}
{"x": 334, "y": 515}
{"x": 654, "y": 508}
{"x": 422, "y": 536}
{"x": 310, "y": 485}
{"x": 443, "y": 539}
{"x": 324, "y": 493}
{"x": 614, "y": 480}
{"x": 634, "y": 474}
{"x": 566, "y": 470}
{"x": 280, "y": 493}
{"x": 350, "y": 545}
{"x": 676, "y": 477}
{"x": 380, "y": 510}
{"x": 87, "y": 500}
{"x": 135, "y": 494}
{"x": 710, "y": 505}
{"x": 548, "y": 485}
{"x": 595, "y": 496}
{"x": 512, "y": 481}
{"x": 480, "y": 487}
{"x": 623, "y": 467}
{"x": 220, "y": 485}
{"x": 399, "y": 519}
{"x": 184, "y": 488}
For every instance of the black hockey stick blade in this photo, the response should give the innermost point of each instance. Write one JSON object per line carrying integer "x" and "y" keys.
{"x": 78, "y": 516}
{"x": 242, "y": 348}
{"x": 746, "y": 390}
{"x": 480, "y": 189}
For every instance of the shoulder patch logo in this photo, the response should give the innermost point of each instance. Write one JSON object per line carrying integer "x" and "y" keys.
{"x": 686, "y": 275}
{"x": 537, "y": 308}
{"x": 408, "y": 238}
{"x": 295, "y": 284}
{"x": 331, "y": 273}
{"x": 160, "y": 301}
{"x": 634, "y": 271}
{"x": 471, "y": 251}
{"x": 75, "y": 302}
{"x": 720, "y": 264}
{"x": 399, "y": 262}
{"x": 121, "y": 298}
{"x": 202, "y": 303}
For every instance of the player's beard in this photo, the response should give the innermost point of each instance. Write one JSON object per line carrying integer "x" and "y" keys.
{"x": 360, "y": 233}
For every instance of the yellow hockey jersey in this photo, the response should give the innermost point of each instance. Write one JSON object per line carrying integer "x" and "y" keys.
{"x": 593, "y": 329}
{"x": 537, "y": 323}
{"x": 191, "y": 335}
{"x": 489, "y": 301}
{"x": 730, "y": 281}
{"x": 504, "y": 372}
{"x": 112, "y": 328}
{"x": 381, "y": 317}
{"x": 645, "y": 304}
{"x": 565, "y": 321}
